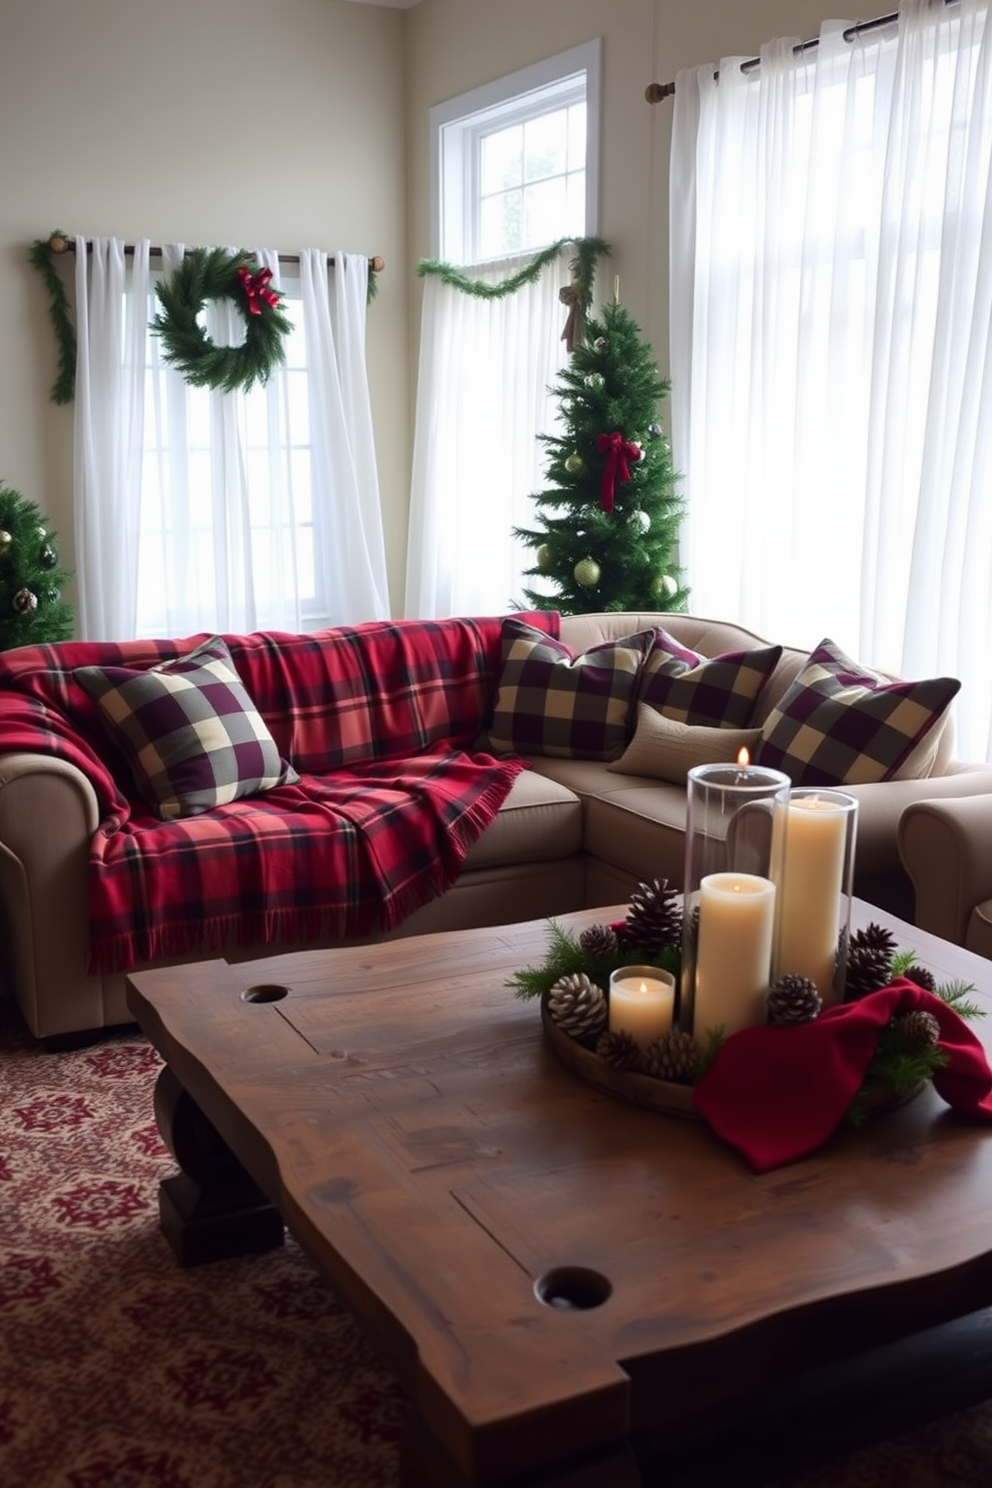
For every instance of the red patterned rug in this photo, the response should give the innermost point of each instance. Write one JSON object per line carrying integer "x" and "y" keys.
{"x": 118, "y": 1369}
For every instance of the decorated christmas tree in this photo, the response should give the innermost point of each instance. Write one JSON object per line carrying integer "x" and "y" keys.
{"x": 31, "y": 605}
{"x": 610, "y": 514}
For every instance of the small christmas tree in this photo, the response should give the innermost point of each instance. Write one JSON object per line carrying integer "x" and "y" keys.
{"x": 31, "y": 605}
{"x": 611, "y": 513}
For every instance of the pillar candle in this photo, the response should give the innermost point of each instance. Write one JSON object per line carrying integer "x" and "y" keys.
{"x": 733, "y": 951}
{"x": 642, "y": 1000}
{"x": 809, "y": 925}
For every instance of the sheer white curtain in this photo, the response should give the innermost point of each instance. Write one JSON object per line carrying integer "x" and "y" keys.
{"x": 831, "y": 290}
{"x": 483, "y": 397}
{"x": 198, "y": 510}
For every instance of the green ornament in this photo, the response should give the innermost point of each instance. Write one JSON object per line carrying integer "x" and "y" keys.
{"x": 574, "y": 463}
{"x": 546, "y": 559}
{"x": 6, "y": 541}
{"x": 587, "y": 572}
{"x": 48, "y": 558}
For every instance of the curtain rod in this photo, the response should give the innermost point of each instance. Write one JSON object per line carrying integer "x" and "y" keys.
{"x": 655, "y": 92}
{"x": 61, "y": 244}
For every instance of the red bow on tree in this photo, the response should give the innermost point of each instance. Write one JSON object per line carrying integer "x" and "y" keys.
{"x": 256, "y": 289}
{"x": 617, "y": 451}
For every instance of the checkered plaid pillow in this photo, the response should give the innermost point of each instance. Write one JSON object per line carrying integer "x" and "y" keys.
{"x": 189, "y": 730}
{"x": 551, "y": 701}
{"x": 714, "y": 692}
{"x": 841, "y": 724}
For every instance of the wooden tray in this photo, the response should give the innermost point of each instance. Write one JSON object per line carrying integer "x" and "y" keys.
{"x": 640, "y": 1090}
{"x": 665, "y": 1095}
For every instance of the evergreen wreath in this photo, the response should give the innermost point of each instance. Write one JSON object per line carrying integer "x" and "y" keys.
{"x": 214, "y": 274}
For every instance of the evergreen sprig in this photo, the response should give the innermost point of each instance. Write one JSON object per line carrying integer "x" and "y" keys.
{"x": 567, "y": 957}
{"x": 588, "y": 251}
{"x": 64, "y": 387}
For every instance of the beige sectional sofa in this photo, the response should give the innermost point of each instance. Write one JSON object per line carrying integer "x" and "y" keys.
{"x": 572, "y": 833}
{"x": 946, "y": 849}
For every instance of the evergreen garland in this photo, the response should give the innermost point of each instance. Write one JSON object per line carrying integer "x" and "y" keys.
{"x": 41, "y": 254}
{"x": 63, "y": 389}
{"x": 588, "y": 251}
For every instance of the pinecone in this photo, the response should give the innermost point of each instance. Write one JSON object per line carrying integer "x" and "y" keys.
{"x": 922, "y": 977}
{"x": 917, "y": 1030}
{"x": 578, "y": 1006}
{"x": 619, "y": 1050}
{"x": 672, "y": 1056}
{"x": 793, "y": 999}
{"x": 599, "y": 941}
{"x": 869, "y": 961}
{"x": 654, "y": 916}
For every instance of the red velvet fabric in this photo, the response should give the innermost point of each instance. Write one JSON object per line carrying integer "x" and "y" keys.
{"x": 778, "y": 1093}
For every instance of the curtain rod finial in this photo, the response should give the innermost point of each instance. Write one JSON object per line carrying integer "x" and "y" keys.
{"x": 655, "y": 92}
{"x": 377, "y": 264}
{"x": 58, "y": 243}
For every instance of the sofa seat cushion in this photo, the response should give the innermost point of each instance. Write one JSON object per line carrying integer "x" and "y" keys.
{"x": 190, "y": 733}
{"x": 639, "y": 828}
{"x": 844, "y": 724}
{"x": 539, "y": 821}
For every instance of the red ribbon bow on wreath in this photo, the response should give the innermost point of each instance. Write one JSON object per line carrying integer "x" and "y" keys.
{"x": 256, "y": 289}
{"x": 617, "y": 451}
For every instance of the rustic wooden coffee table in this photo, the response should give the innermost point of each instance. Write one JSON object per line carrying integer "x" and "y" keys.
{"x": 557, "y": 1277}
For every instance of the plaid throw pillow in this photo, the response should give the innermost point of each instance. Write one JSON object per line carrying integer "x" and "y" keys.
{"x": 841, "y": 724}
{"x": 189, "y": 731}
{"x": 551, "y": 701}
{"x": 715, "y": 692}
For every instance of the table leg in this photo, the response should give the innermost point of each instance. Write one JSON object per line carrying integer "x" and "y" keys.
{"x": 425, "y": 1464}
{"x": 212, "y": 1209}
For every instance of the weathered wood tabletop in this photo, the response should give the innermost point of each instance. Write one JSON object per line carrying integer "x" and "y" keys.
{"x": 460, "y": 1188}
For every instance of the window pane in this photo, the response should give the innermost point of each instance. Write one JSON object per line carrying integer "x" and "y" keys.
{"x": 500, "y": 163}
{"x": 577, "y": 137}
{"x": 501, "y": 225}
{"x": 546, "y": 146}
{"x": 544, "y": 212}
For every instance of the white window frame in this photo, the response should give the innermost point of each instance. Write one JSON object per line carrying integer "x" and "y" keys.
{"x": 457, "y": 125}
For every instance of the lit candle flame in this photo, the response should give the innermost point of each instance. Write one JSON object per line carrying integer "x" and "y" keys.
{"x": 743, "y": 758}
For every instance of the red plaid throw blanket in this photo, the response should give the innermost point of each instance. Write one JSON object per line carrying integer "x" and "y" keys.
{"x": 378, "y": 719}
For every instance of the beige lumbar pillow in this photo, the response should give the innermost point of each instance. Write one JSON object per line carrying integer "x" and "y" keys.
{"x": 666, "y": 749}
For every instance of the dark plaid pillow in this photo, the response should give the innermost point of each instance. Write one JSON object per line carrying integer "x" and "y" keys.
{"x": 551, "y": 701}
{"x": 841, "y": 724}
{"x": 189, "y": 730}
{"x": 714, "y": 692}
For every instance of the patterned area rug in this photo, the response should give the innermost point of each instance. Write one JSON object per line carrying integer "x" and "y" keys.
{"x": 120, "y": 1370}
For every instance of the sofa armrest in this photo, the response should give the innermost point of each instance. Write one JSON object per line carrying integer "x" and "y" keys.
{"x": 48, "y": 815}
{"x": 946, "y": 848}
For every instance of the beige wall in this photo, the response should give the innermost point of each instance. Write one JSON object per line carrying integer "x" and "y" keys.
{"x": 200, "y": 121}
{"x": 306, "y": 124}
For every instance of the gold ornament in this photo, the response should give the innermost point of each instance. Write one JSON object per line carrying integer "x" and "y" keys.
{"x": 6, "y": 541}
{"x": 546, "y": 559}
{"x": 587, "y": 572}
{"x": 664, "y": 584}
{"x": 574, "y": 463}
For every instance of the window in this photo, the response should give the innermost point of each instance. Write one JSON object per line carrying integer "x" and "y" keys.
{"x": 514, "y": 163}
